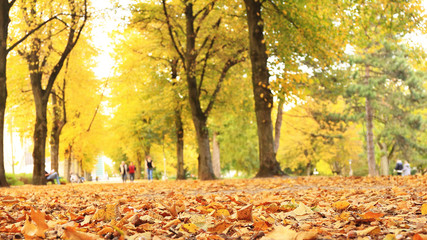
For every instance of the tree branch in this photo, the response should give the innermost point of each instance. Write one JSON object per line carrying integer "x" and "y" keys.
{"x": 230, "y": 63}
{"x": 174, "y": 43}
{"x": 30, "y": 32}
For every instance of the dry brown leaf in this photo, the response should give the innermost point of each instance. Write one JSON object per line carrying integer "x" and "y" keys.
{"x": 371, "y": 231}
{"x": 245, "y": 213}
{"x": 220, "y": 227}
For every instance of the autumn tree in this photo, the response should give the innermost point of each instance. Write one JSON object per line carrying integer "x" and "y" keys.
{"x": 45, "y": 63}
{"x": 297, "y": 32}
{"x": 202, "y": 43}
{"x": 5, "y": 8}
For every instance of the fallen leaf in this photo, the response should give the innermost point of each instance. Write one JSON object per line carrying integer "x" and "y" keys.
{"x": 372, "y": 215}
{"x": 245, "y": 213}
{"x": 219, "y": 228}
{"x": 189, "y": 227}
{"x": 341, "y": 205}
{"x": 72, "y": 234}
{"x": 374, "y": 230}
{"x": 424, "y": 209}
{"x": 29, "y": 230}
{"x": 420, "y": 237}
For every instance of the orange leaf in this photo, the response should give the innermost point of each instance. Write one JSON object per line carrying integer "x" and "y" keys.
{"x": 260, "y": 225}
{"x": 72, "y": 234}
{"x": 245, "y": 213}
{"x": 29, "y": 230}
{"x": 219, "y": 228}
{"x": 420, "y": 237}
{"x": 372, "y": 215}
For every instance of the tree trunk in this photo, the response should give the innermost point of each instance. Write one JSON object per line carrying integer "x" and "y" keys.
{"x": 216, "y": 156}
{"x": 199, "y": 118}
{"x": 40, "y": 128}
{"x": 180, "y": 174}
{"x": 4, "y": 25}
{"x": 138, "y": 165}
{"x": 147, "y": 153}
{"x": 278, "y": 125}
{"x": 179, "y": 145}
{"x": 369, "y": 131}
{"x": 384, "y": 160}
{"x": 57, "y": 125}
{"x": 261, "y": 89}
{"x": 68, "y": 160}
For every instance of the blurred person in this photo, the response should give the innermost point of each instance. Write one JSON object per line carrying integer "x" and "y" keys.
{"x": 124, "y": 170}
{"x": 149, "y": 166}
{"x": 406, "y": 171}
{"x": 131, "y": 171}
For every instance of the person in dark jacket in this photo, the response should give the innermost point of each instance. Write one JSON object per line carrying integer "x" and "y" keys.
{"x": 149, "y": 166}
{"x": 399, "y": 167}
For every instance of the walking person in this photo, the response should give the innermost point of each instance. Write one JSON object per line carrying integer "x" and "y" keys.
{"x": 406, "y": 171}
{"x": 123, "y": 170}
{"x": 149, "y": 166}
{"x": 131, "y": 171}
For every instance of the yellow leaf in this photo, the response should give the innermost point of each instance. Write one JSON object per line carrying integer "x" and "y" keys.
{"x": 424, "y": 209}
{"x": 222, "y": 213}
{"x": 341, "y": 205}
{"x": 189, "y": 227}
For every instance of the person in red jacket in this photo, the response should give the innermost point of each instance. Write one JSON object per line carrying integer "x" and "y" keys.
{"x": 131, "y": 171}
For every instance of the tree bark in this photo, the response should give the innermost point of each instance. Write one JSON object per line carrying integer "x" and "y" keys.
{"x": 205, "y": 170}
{"x": 179, "y": 145}
{"x": 57, "y": 125}
{"x": 138, "y": 165}
{"x": 147, "y": 153}
{"x": 384, "y": 160}
{"x": 4, "y": 25}
{"x": 179, "y": 125}
{"x": 40, "y": 128}
{"x": 278, "y": 126}
{"x": 369, "y": 131}
{"x": 216, "y": 156}
{"x": 68, "y": 160}
{"x": 261, "y": 89}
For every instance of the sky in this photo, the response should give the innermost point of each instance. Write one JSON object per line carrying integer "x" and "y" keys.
{"x": 107, "y": 19}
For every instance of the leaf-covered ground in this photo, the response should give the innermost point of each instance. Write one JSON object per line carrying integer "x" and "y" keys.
{"x": 278, "y": 208}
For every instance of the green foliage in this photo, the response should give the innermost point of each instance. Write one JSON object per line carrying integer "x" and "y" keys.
{"x": 19, "y": 179}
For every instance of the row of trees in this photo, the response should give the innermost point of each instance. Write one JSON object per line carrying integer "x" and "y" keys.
{"x": 182, "y": 72}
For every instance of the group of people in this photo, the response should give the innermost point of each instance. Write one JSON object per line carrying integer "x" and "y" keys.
{"x": 125, "y": 169}
{"x": 402, "y": 169}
